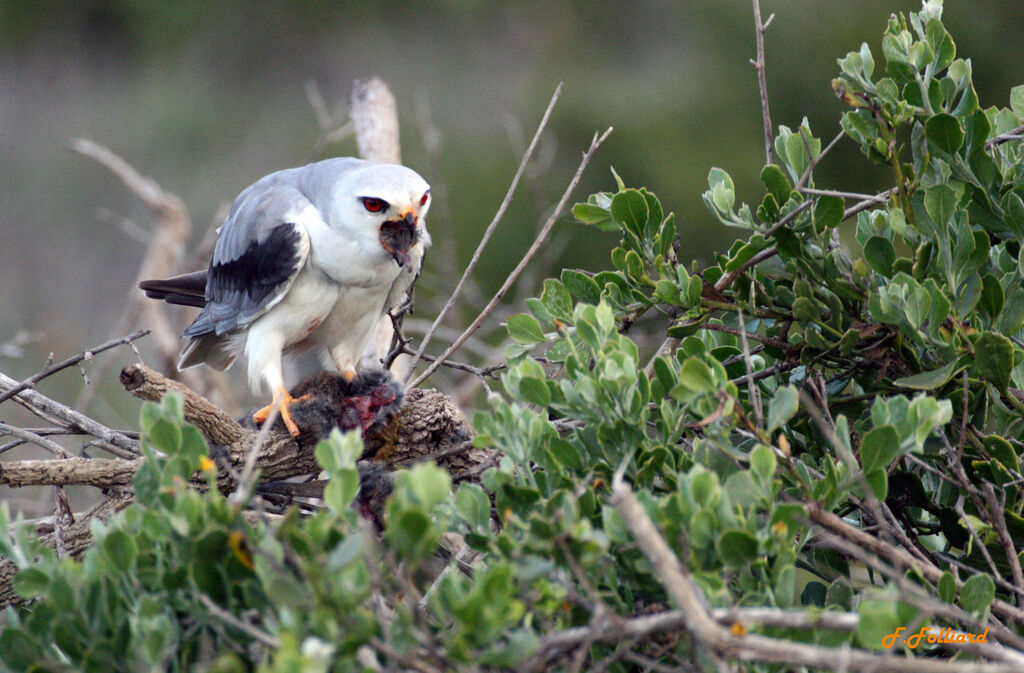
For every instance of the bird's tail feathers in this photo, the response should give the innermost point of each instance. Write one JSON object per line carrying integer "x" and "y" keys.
{"x": 188, "y": 289}
{"x": 215, "y": 351}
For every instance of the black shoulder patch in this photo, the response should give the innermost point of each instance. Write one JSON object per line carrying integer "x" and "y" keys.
{"x": 239, "y": 289}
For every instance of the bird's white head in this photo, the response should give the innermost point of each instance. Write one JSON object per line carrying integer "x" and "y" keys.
{"x": 385, "y": 204}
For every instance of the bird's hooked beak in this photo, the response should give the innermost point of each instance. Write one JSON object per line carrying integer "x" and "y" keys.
{"x": 398, "y": 236}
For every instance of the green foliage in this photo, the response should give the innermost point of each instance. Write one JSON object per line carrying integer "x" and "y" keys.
{"x": 794, "y": 377}
{"x": 152, "y": 592}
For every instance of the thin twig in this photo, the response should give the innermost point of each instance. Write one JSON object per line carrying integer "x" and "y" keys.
{"x": 234, "y": 622}
{"x": 998, "y": 512}
{"x": 728, "y": 279}
{"x": 776, "y": 343}
{"x": 752, "y": 391}
{"x": 1010, "y": 135}
{"x": 874, "y": 547}
{"x": 876, "y": 198}
{"x": 29, "y": 436}
{"x": 815, "y": 160}
{"x": 868, "y": 203}
{"x": 541, "y": 235}
{"x": 486, "y": 237}
{"x": 482, "y": 372}
{"x": 762, "y": 80}
{"x": 31, "y": 381}
{"x": 245, "y": 479}
{"x": 60, "y": 414}
{"x": 789, "y": 217}
{"x": 978, "y": 542}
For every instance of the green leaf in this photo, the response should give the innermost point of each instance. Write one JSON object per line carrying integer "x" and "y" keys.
{"x": 777, "y": 183}
{"x": 705, "y": 489}
{"x": 1012, "y": 316}
{"x": 806, "y": 310}
{"x": 782, "y": 407}
{"x": 1013, "y": 209}
{"x": 581, "y": 286}
{"x": 31, "y": 582}
{"x": 429, "y": 483}
{"x": 598, "y": 216}
{"x": 878, "y": 619}
{"x": 763, "y": 462}
{"x": 931, "y": 380}
{"x": 1002, "y": 450}
{"x": 473, "y": 505}
{"x": 557, "y": 300}
{"x": 994, "y": 357}
{"x": 917, "y": 308}
{"x": 629, "y": 208}
{"x": 828, "y": 212}
{"x": 944, "y": 132}
{"x": 814, "y": 593}
{"x": 1017, "y": 101}
{"x": 878, "y": 480}
{"x": 940, "y": 204}
{"x": 341, "y": 490}
{"x": 339, "y": 451}
{"x": 737, "y": 547}
{"x": 696, "y": 376}
{"x": 525, "y": 329}
{"x": 411, "y": 532}
{"x": 947, "y": 587}
{"x": 165, "y": 435}
{"x": 18, "y": 650}
{"x": 535, "y": 391}
{"x": 880, "y": 254}
{"x": 614, "y": 525}
{"x": 977, "y": 593}
{"x": 992, "y": 299}
{"x": 881, "y": 446}
{"x": 119, "y": 549}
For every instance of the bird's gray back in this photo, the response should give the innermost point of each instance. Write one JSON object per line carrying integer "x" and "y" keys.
{"x": 274, "y": 199}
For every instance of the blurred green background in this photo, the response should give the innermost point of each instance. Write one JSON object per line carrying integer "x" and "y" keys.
{"x": 206, "y": 97}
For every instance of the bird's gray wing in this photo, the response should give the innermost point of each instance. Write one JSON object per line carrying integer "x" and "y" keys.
{"x": 261, "y": 249}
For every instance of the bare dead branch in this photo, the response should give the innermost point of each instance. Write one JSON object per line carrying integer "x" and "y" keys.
{"x": 484, "y": 240}
{"x": 50, "y": 370}
{"x": 541, "y": 235}
{"x": 29, "y": 436}
{"x": 99, "y": 472}
{"x": 217, "y": 426}
{"x": 234, "y": 622}
{"x": 1005, "y": 137}
{"x": 998, "y": 512}
{"x": 163, "y": 257}
{"x": 374, "y": 115}
{"x": 762, "y": 80}
{"x": 62, "y": 415}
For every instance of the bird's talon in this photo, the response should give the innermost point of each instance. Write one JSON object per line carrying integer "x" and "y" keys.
{"x": 285, "y": 400}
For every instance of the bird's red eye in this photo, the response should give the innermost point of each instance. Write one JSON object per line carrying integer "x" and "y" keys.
{"x": 423, "y": 201}
{"x": 374, "y": 205}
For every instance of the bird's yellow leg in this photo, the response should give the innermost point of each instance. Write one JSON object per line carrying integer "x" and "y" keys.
{"x": 284, "y": 399}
